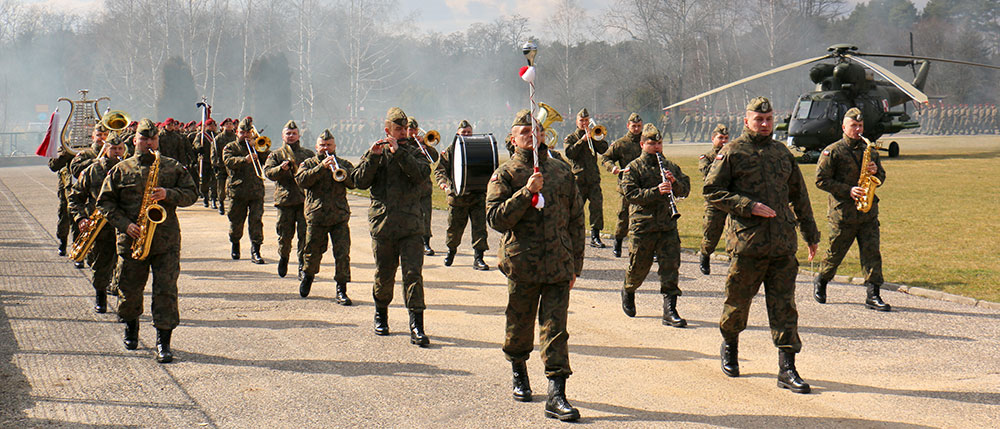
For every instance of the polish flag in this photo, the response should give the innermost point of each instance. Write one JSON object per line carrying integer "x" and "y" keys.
{"x": 50, "y": 144}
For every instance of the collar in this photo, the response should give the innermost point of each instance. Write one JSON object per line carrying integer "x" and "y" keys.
{"x": 755, "y": 138}
{"x": 528, "y": 155}
{"x": 854, "y": 143}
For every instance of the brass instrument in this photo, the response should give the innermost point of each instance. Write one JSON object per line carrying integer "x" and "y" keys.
{"x": 339, "y": 174}
{"x": 261, "y": 144}
{"x": 83, "y": 115}
{"x": 595, "y": 132}
{"x": 430, "y": 138}
{"x": 85, "y": 239}
{"x": 867, "y": 181}
{"x": 546, "y": 116}
{"x": 115, "y": 120}
{"x": 150, "y": 213}
{"x": 674, "y": 214}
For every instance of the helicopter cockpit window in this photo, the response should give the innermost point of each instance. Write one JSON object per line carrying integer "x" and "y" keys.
{"x": 802, "y": 111}
{"x": 819, "y": 109}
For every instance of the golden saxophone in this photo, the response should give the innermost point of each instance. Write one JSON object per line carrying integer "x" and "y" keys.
{"x": 867, "y": 181}
{"x": 150, "y": 213}
{"x": 85, "y": 240}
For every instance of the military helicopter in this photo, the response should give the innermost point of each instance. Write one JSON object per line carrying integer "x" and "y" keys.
{"x": 849, "y": 82}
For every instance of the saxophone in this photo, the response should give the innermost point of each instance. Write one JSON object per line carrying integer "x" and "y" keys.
{"x": 150, "y": 213}
{"x": 866, "y": 180}
{"x": 85, "y": 240}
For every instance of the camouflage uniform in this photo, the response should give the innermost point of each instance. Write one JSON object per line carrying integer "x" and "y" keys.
{"x": 327, "y": 214}
{"x": 82, "y": 202}
{"x": 837, "y": 172}
{"x": 583, "y": 163}
{"x": 288, "y": 198}
{"x": 714, "y": 219}
{"x": 620, "y": 154}
{"x": 60, "y": 166}
{"x": 246, "y": 193}
{"x": 175, "y": 145}
{"x": 221, "y": 173}
{"x": 203, "y": 148}
{"x": 120, "y": 198}
{"x": 461, "y": 208}
{"x": 427, "y": 190}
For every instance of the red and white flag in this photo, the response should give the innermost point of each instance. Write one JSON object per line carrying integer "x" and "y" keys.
{"x": 50, "y": 144}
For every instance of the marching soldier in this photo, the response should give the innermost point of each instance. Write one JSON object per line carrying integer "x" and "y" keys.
{"x": 837, "y": 172}
{"x": 60, "y": 166}
{"x": 426, "y": 187}
{"x": 617, "y": 157}
{"x": 757, "y": 182}
{"x": 328, "y": 214}
{"x": 83, "y": 159}
{"x": 288, "y": 198}
{"x": 652, "y": 224}
{"x": 221, "y": 173}
{"x": 246, "y": 191}
{"x": 582, "y": 151}
{"x": 540, "y": 267}
{"x": 715, "y": 219}
{"x": 462, "y": 208}
{"x": 202, "y": 144}
{"x": 82, "y": 202}
{"x": 121, "y": 197}
{"x": 391, "y": 169}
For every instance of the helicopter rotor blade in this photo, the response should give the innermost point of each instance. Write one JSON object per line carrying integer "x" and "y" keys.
{"x": 911, "y": 91}
{"x": 750, "y": 78}
{"x": 943, "y": 60}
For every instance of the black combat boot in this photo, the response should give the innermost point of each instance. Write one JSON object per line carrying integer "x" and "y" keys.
{"x": 417, "y": 335}
{"x": 163, "y": 353}
{"x": 557, "y": 407}
{"x": 131, "y": 334}
{"x": 819, "y": 289}
{"x": 381, "y": 320}
{"x": 522, "y": 388}
{"x": 206, "y": 201}
{"x": 222, "y": 208}
{"x": 236, "y": 250}
{"x": 595, "y": 239}
{"x": 730, "y": 357}
{"x": 477, "y": 262}
{"x": 255, "y": 254}
{"x": 706, "y": 264}
{"x": 214, "y": 204}
{"x": 79, "y": 265}
{"x": 282, "y": 266}
{"x": 670, "y": 316}
{"x": 628, "y": 302}
{"x": 450, "y": 257}
{"x": 618, "y": 248}
{"x": 62, "y": 247}
{"x": 427, "y": 247}
{"x": 788, "y": 377}
{"x": 342, "y": 298}
{"x": 874, "y": 301}
{"x": 101, "y": 302}
{"x": 305, "y": 285}
{"x": 301, "y": 267}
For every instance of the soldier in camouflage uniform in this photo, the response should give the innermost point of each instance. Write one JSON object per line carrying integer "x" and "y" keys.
{"x": 391, "y": 169}
{"x": 462, "y": 208}
{"x": 82, "y": 202}
{"x": 541, "y": 254}
{"x": 757, "y": 181}
{"x": 246, "y": 191}
{"x": 60, "y": 166}
{"x": 288, "y": 198}
{"x": 174, "y": 144}
{"x": 837, "y": 172}
{"x": 327, "y": 215}
{"x": 221, "y": 173}
{"x": 714, "y": 219}
{"x": 652, "y": 224}
{"x": 617, "y": 157}
{"x": 202, "y": 145}
{"x": 120, "y": 199}
{"x": 582, "y": 152}
{"x": 426, "y": 187}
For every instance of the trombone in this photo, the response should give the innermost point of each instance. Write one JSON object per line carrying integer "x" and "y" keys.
{"x": 430, "y": 138}
{"x": 339, "y": 174}
{"x": 595, "y": 132}
{"x": 261, "y": 144}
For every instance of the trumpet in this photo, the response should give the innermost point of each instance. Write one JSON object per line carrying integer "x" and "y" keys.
{"x": 674, "y": 214}
{"x": 339, "y": 174}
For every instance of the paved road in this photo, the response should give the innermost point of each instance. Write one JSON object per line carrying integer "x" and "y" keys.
{"x": 251, "y": 353}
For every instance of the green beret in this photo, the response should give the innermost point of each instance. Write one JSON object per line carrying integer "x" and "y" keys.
{"x": 583, "y": 113}
{"x": 246, "y": 124}
{"x": 291, "y": 125}
{"x": 522, "y": 118}
{"x": 721, "y": 130}
{"x": 464, "y": 124}
{"x": 854, "y": 113}
{"x": 99, "y": 127}
{"x": 650, "y": 132}
{"x": 759, "y": 105}
{"x": 326, "y": 135}
{"x": 411, "y": 123}
{"x": 147, "y": 128}
{"x": 396, "y": 116}
{"x": 634, "y": 117}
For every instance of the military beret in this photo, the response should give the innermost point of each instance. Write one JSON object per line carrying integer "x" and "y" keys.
{"x": 191, "y": 124}
{"x": 634, "y": 117}
{"x": 146, "y": 128}
{"x": 650, "y": 132}
{"x": 226, "y": 121}
{"x": 291, "y": 125}
{"x": 522, "y": 118}
{"x": 759, "y": 105}
{"x": 99, "y": 127}
{"x": 168, "y": 121}
{"x": 246, "y": 124}
{"x": 854, "y": 113}
{"x": 583, "y": 113}
{"x": 209, "y": 121}
{"x": 412, "y": 123}
{"x": 396, "y": 116}
{"x": 464, "y": 124}
{"x": 133, "y": 124}
{"x": 721, "y": 130}
{"x": 326, "y": 135}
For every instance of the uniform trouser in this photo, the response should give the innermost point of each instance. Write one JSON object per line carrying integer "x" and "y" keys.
{"x": 132, "y": 280}
{"x": 65, "y": 221}
{"x": 340, "y": 237}
{"x": 459, "y": 216}
{"x": 195, "y": 177}
{"x": 621, "y": 230}
{"x": 220, "y": 184}
{"x": 841, "y": 237}
{"x": 250, "y": 211}
{"x": 592, "y": 193}
{"x": 291, "y": 222}
{"x": 427, "y": 209}
{"x": 390, "y": 253}
{"x": 105, "y": 256}
{"x": 711, "y": 228}
{"x": 778, "y": 276}
{"x": 666, "y": 245}
{"x": 208, "y": 184}
{"x": 549, "y": 302}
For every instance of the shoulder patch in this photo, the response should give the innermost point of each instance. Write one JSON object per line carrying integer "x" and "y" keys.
{"x": 719, "y": 156}
{"x": 826, "y": 152}
{"x": 702, "y": 156}
{"x": 495, "y": 177}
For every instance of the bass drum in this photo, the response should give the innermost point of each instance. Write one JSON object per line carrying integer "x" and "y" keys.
{"x": 475, "y": 161}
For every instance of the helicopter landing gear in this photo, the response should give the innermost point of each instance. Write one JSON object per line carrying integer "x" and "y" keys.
{"x": 893, "y": 149}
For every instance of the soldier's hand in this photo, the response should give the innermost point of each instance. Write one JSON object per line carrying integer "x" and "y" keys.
{"x": 872, "y": 168}
{"x": 670, "y": 176}
{"x": 759, "y": 209}
{"x": 328, "y": 161}
{"x": 376, "y": 148}
{"x": 615, "y": 170}
{"x": 159, "y": 194}
{"x": 251, "y": 156}
{"x": 443, "y": 186}
{"x": 285, "y": 166}
{"x": 132, "y": 230}
{"x": 857, "y": 192}
{"x": 812, "y": 250}
{"x": 535, "y": 182}
{"x": 665, "y": 188}
{"x": 393, "y": 145}
{"x": 84, "y": 225}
